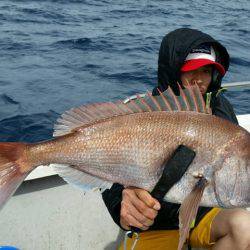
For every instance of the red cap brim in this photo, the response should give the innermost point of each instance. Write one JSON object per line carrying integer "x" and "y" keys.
{"x": 197, "y": 63}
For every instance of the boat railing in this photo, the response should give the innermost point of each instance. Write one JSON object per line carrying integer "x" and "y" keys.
{"x": 236, "y": 84}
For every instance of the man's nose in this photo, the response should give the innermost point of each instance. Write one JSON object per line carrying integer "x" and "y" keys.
{"x": 197, "y": 81}
{"x": 201, "y": 84}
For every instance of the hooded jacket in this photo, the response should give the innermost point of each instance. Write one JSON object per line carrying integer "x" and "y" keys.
{"x": 175, "y": 47}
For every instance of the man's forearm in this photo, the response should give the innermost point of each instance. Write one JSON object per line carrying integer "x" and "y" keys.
{"x": 112, "y": 198}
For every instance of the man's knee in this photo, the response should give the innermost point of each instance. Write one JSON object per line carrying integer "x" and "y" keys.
{"x": 239, "y": 224}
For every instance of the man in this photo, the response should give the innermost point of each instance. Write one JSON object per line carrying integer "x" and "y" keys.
{"x": 186, "y": 56}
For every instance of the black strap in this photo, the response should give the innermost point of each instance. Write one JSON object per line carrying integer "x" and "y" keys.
{"x": 174, "y": 169}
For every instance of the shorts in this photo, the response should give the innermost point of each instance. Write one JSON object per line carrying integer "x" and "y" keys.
{"x": 168, "y": 239}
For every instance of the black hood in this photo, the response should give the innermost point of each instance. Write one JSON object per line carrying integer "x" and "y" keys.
{"x": 175, "y": 47}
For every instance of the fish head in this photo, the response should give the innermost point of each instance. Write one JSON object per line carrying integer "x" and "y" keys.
{"x": 232, "y": 180}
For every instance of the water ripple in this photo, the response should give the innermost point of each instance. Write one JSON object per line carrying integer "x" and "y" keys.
{"x": 240, "y": 61}
{"x": 57, "y": 54}
{"x": 84, "y": 44}
{"x": 28, "y": 128}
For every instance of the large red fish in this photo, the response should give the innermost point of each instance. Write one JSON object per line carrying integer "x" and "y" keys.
{"x": 129, "y": 143}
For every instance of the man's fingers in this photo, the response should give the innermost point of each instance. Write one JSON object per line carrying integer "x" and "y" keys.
{"x": 124, "y": 224}
{"x": 138, "y": 208}
{"x": 140, "y": 217}
{"x": 148, "y": 199}
{"x": 134, "y": 196}
{"x": 132, "y": 222}
{"x": 148, "y": 212}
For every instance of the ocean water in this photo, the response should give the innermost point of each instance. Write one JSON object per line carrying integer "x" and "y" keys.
{"x": 59, "y": 54}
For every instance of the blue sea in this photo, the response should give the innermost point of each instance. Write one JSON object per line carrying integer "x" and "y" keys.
{"x": 55, "y": 55}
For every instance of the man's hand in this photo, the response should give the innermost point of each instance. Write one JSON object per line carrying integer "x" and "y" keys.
{"x": 138, "y": 208}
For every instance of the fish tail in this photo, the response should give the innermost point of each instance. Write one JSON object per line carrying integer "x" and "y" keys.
{"x": 13, "y": 169}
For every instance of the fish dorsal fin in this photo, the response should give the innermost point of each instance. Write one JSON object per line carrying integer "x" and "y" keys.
{"x": 190, "y": 99}
{"x": 76, "y": 118}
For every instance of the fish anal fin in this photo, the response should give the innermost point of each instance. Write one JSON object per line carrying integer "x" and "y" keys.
{"x": 75, "y": 176}
{"x": 188, "y": 210}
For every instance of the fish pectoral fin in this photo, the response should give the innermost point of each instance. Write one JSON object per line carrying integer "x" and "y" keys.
{"x": 188, "y": 210}
{"x": 75, "y": 176}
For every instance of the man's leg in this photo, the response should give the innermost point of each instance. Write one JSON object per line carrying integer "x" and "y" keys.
{"x": 231, "y": 230}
